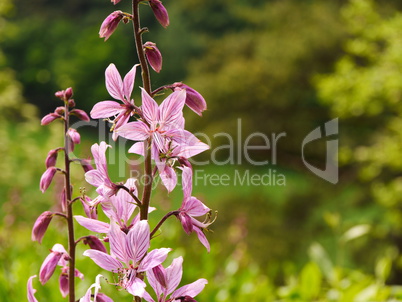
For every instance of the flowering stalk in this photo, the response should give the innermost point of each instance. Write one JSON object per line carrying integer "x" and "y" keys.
{"x": 146, "y": 81}
{"x": 67, "y": 188}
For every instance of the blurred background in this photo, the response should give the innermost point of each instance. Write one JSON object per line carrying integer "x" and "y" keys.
{"x": 278, "y": 67}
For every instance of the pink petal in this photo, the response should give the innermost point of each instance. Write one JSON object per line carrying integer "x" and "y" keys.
{"x": 149, "y": 108}
{"x": 202, "y": 238}
{"x": 63, "y": 284}
{"x": 128, "y": 83}
{"x": 136, "y": 287}
{"x": 106, "y": 109}
{"x": 195, "y": 208}
{"x": 154, "y": 282}
{"x": 171, "y": 109}
{"x": 147, "y": 297}
{"x": 30, "y": 290}
{"x": 169, "y": 178}
{"x": 94, "y": 177}
{"x": 117, "y": 240}
{"x": 103, "y": 260}
{"x": 48, "y": 266}
{"x": 93, "y": 224}
{"x": 138, "y": 240}
{"x": 153, "y": 258}
{"x": 137, "y": 148}
{"x": 136, "y": 131}
{"x": 114, "y": 84}
{"x": 174, "y": 274}
{"x": 192, "y": 289}
{"x": 187, "y": 181}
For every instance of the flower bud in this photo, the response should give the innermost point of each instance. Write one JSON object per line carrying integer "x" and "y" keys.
{"x": 74, "y": 135}
{"x": 153, "y": 55}
{"x": 48, "y": 266}
{"x": 160, "y": 12}
{"x": 86, "y": 164}
{"x": 47, "y": 178}
{"x": 110, "y": 24}
{"x": 60, "y": 110}
{"x": 115, "y": 1}
{"x": 71, "y": 103}
{"x": 68, "y": 93}
{"x": 51, "y": 158}
{"x": 194, "y": 99}
{"x": 95, "y": 243}
{"x": 81, "y": 114}
{"x": 40, "y": 226}
{"x": 47, "y": 119}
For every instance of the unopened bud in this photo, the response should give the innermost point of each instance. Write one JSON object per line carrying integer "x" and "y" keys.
{"x": 74, "y": 135}
{"x": 160, "y": 12}
{"x": 47, "y": 178}
{"x": 71, "y": 103}
{"x": 81, "y": 114}
{"x": 48, "y": 266}
{"x": 68, "y": 93}
{"x": 194, "y": 100}
{"x": 51, "y": 158}
{"x": 95, "y": 243}
{"x": 40, "y": 226}
{"x": 153, "y": 55}
{"x": 86, "y": 165}
{"x": 60, "y": 110}
{"x": 47, "y": 119}
{"x": 110, "y": 24}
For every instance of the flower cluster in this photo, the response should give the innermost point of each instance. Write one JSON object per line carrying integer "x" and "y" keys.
{"x": 157, "y": 131}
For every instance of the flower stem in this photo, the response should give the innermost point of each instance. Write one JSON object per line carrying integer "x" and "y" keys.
{"x": 146, "y": 81}
{"x": 162, "y": 221}
{"x": 70, "y": 222}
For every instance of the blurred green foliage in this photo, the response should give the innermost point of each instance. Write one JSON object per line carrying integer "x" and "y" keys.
{"x": 279, "y": 66}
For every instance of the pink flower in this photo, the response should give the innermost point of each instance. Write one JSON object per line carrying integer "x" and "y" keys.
{"x": 120, "y": 90}
{"x": 163, "y": 124}
{"x": 153, "y": 55}
{"x": 30, "y": 290}
{"x": 192, "y": 207}
{"x": 160, "y": 12}
{"x": 99, "y": 177}
{"x": 164, "y": 281}
{"x": 47, "y": 178}
{"x": 41, "y": 225}
{"x": 128, "y": 256}
{"x": 110, "y": 24}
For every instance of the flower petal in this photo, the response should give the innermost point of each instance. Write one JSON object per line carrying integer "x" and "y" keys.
{"x": 114, "y": 84}
{"x": 106, "y": 109}
{"x": 192, "y": 289}
{"x": 138, "y": 240}
{"x": 136, "y": 131}
{"x": 174, "y": 274}
{"x": 128, "y": 83}
{"x": 93, "y": 224}
{"x": 30, "y": 290}
{"x": 153, "y": 258}
{"x": 117, "y": 240}
{"x": 171, "y": 109}
{"x": 149, "y": 107}
{"x": 103, "y": 260}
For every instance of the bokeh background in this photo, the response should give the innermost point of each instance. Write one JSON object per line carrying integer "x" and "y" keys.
{"x": 278, "y": 66}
